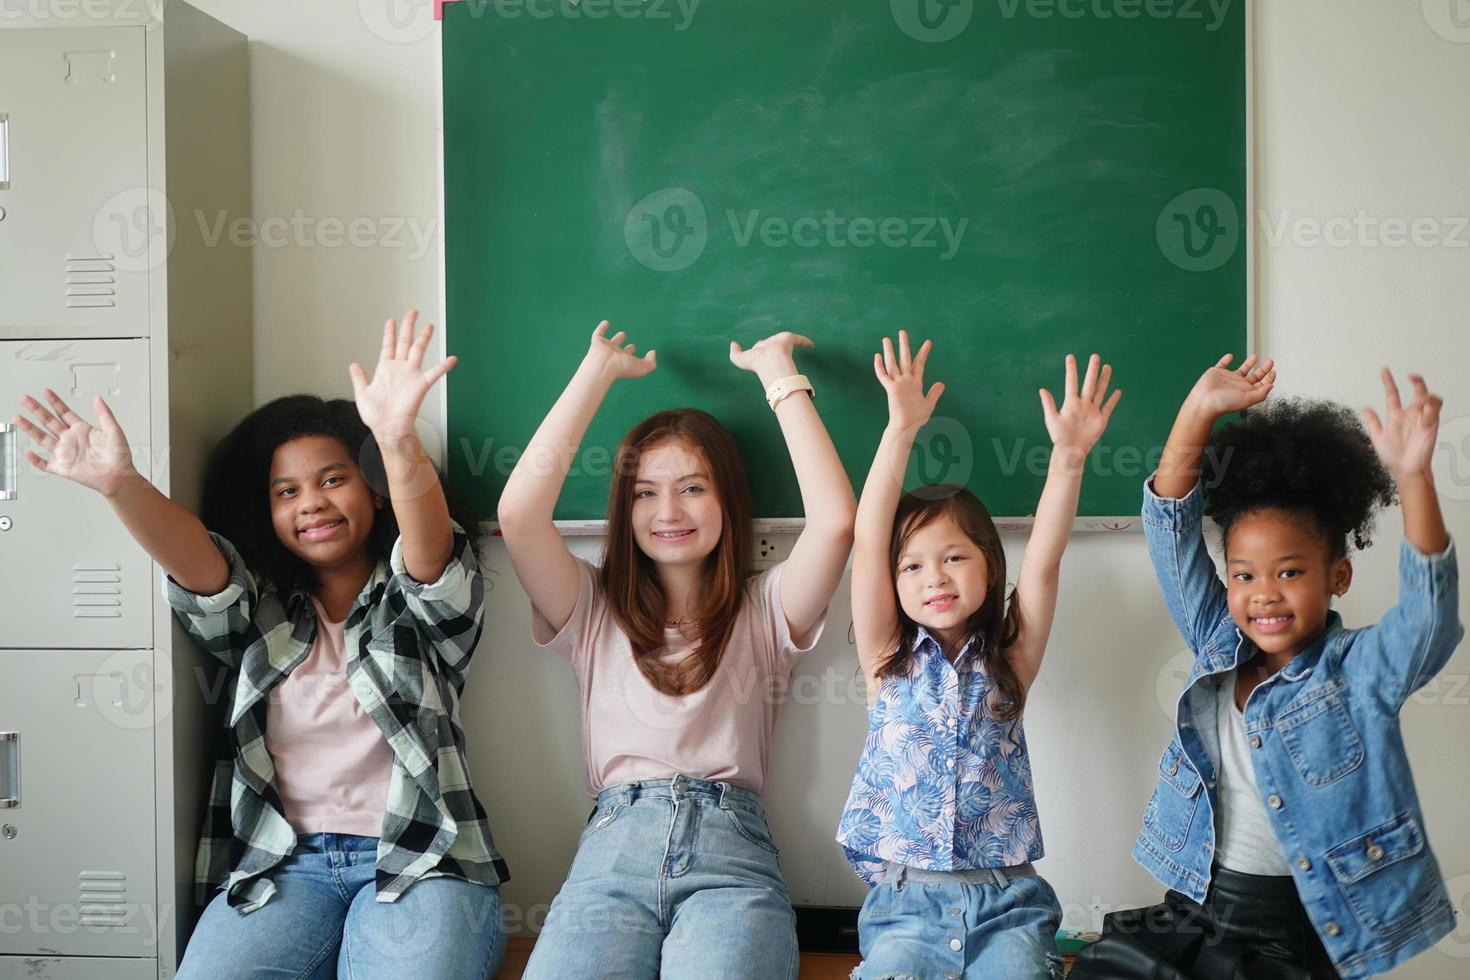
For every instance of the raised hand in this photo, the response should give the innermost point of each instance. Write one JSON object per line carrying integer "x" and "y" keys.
{"x": 1405, "y": 441}
{"x": 390, "y": 403}
{"x": 903, "y": 378}
{"x": 770, "y": 359}
{"x": 1084, "y": 415}
{"x": 611, "y": 356}
{"x": 94, "y": 456}
{"x": 1220, "y": 390}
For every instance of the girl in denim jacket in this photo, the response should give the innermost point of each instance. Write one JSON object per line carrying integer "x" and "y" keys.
{"x": 942, "y": 816}
{"x": 1285, "y": 820}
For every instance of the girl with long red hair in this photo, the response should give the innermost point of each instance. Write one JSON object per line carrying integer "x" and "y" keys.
{"x": 680, "y": 653}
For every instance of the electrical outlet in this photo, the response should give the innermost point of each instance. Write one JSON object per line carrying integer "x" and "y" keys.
{"x": 771, "y": 549}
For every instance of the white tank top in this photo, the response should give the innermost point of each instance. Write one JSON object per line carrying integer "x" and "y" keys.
{"x": 1244, "y": 840}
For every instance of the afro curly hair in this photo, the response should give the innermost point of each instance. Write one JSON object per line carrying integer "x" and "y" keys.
{"x": 1306, "y": 457}
{"x": 236, "y": 501}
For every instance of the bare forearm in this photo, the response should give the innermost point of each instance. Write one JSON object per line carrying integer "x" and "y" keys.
{"x": 826, "y": 494}
{"x": 820, "y": 553}
{"x": 1056, "y": 510}
{"x": 419, "y": 506}
{"x": 874, "y": 609}
{"x": 1423, "y": 521}
{"x": 881, "y": 493}
{"x": 1180, "y": 464}
{"x": 173, "y": 537}
{"x": 534, "y": 485}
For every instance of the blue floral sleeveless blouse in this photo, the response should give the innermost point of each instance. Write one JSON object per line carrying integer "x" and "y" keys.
{"x": 941, "y": 784}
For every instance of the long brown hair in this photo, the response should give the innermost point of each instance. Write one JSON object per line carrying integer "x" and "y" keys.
{"x": 635, "y": 595}
{"x": 996, "y": 625}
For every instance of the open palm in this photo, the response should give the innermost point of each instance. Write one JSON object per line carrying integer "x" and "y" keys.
{"x": 390, "y": 402}
{"x": 1220, "y": 391}
{"x": 902, "y": 377}
{"x": 96, "y": 457}
{"x": 1084, "y": 414}
{"x": 1406, "y": 439}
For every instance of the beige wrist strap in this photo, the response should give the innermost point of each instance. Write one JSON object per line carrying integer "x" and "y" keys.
{"x": 786, "y": 386}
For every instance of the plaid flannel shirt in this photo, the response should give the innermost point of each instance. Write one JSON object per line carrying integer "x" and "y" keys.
{"x": 408, "y": 645}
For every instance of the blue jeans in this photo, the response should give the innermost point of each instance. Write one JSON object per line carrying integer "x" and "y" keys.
{"x": 324, "y": 922}
{"x": 946, "y": 927}
{"x": 675, "y": 879}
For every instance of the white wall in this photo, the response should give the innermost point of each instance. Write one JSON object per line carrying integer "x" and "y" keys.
{"x": 1362, "y": 105}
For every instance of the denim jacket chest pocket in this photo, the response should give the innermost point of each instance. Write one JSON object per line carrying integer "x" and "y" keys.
{"x": 1171, "y": 810}
{"x": 1317, "y": 730}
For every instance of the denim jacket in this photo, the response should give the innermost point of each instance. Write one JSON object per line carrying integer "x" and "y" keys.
{"x": 1327, "y": 752}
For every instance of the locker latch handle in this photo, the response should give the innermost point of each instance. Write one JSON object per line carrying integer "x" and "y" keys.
{"x": 9, "y": 770}
{"x": 4, "y": 151}
{"x": 9, "y": 469}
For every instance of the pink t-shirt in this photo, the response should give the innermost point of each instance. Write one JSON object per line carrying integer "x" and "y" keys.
{"x": 632, "y": 731}
{"x": 332, "y": 761}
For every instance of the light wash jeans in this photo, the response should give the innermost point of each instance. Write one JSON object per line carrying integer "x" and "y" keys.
{"x": 676, "y": 879}
{"x": 324, "y": 922}
{"x": 964, "y": 925}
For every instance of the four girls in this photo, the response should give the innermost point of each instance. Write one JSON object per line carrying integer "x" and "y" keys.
{"x": 345, "y": 599}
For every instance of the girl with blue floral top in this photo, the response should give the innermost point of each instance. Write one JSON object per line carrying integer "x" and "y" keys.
{"x": 942, "y": 817}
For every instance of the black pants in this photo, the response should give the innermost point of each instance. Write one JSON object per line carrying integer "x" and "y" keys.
{"x": 1251, "y": 927}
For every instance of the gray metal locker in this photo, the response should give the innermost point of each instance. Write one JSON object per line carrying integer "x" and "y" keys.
{"x": 76, "y": 165}
{"x": 82, "y": 580}
{"x": 76, "y": 806}
{"x": 108, "y": 713}
{"x": 75, "y": 968}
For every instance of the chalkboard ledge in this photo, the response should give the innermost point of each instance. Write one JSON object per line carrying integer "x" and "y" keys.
{"x": 793, "y": 525}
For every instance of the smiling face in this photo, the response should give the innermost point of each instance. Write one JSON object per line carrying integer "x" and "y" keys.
{"x": 321, "y": 507}
{"x": 676, "y": 516}
{"x": 942, "y": 579}
{"x": 1282, "y": 577}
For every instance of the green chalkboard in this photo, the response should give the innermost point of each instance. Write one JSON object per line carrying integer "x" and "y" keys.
{"x": 1014, "y": 179}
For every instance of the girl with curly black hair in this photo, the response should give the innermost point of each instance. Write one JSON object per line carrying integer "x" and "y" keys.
{"x": 345, "y": 599}
{"x": 1285, "y": 821}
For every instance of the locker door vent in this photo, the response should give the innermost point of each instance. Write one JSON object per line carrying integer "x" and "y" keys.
{"x": 91, "y": 281}
{"x": 96, "y": 590}
{"x": 102, "y": 898}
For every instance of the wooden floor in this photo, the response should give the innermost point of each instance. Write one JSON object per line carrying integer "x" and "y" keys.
{"x": 814, "y": 966}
